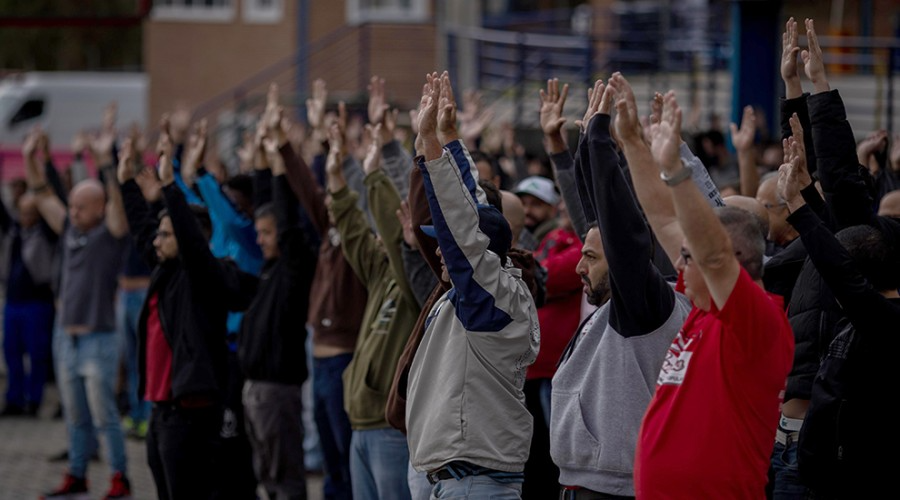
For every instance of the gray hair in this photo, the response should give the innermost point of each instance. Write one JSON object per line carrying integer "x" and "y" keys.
{"x": 748, "y": 238}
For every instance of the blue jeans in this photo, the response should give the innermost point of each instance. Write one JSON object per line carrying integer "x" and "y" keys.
{"x": 27, "y": 329}
{"x": 476, "y": 488}
{"x": 86, "y": 368}
{"x": 786, "y": 483}
{"x": 312, "y": 448}
{"x": 378, "y": 463}
{"x": 128, "y": 312}
{"x": 332, "y": 424}
{"x": 419, "y": 486}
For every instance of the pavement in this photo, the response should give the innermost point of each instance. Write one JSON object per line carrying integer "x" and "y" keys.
{"x": 26, "y": 443}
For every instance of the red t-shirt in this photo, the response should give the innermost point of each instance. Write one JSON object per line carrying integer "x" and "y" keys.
{"x": 710, "y": 427}
{"x": 159, "y": 357}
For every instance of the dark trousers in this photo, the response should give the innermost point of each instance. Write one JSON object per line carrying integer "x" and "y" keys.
{"x": 332, "y": 424}
{"x": 236, "y": 478}
{"x": 27, "y": 329}
{"x": 274, "y": 418}
{"x": 182, "y": 447}
{"x": 541, "y": 474}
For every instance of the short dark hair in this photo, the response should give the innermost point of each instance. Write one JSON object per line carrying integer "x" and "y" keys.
{"x": 200, "y": 213}
{"x": 748, "y": 239}
{"x": 492, "y": 193}
{"x": 264, "y": 210}
{"x": 241, "y": 183}
{"x": 479, "y": 155}
{"x": 873, "y": 255}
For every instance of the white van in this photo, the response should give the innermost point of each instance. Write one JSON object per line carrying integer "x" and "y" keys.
{"x": 63, "y": 103}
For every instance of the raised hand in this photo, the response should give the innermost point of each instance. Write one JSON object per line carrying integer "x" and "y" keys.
{"x": 196, "y": 151}
{"x": 126, "y": 170}
{"x": 552, "y": 103}
{"x": 446, "y": 116}
{"x": 867, "y": 147}
{"x": 179, "y": 123}
{"x": 627, "y": 124}
{"x": 315, "y": 105}
{"x": 405, "y": 218}
{"x": 652, "y": 121}
{"x": 29, "y": 147}
{"x": 812, "y": 60}
{"x": 101, "y": 144}
{"x": 273, "y": 117}
{"x": 372, "y": 161}
{"x": 789, "y": 68}
{"x": 148, "y": 180}
{"x": 789, "y": 177}
{"x": 895, "y": 153}
{"x": 474, "y": 118}
{"x": 795, "y": 147}
{"x": 335, "y": 160}
{"x": 377, "y": 100}
{"x": 596, "y": 90}
{"x": 743, "y": 137}
{"x": 164, "y": 148}
{"x": 79, "y": 143}
{"x": 667, "y": 136}
{"x": 428, "y": 105}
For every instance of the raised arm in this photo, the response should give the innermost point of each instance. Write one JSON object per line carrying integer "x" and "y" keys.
{"x": 395, "y": 161}
{"x": 141, "y": 221}
{"x": 858, "y": 298}
{"x": 708, "y": 243}
{"x": 553, "y": 101}
{"x": 642, "y": 300}
{"x": 743, "y": 139}
{"x": 49, "y": 204}
{"x": 651, "y": 192}
{"x": 384, "y": 201}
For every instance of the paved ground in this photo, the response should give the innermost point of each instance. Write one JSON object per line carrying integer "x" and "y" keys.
{"x": 25, "y": 472}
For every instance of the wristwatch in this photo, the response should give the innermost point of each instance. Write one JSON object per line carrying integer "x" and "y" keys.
{"x": 677, "y": 178}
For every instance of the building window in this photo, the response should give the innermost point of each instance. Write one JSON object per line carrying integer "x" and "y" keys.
{"x": 387, "y": 11}
{"x": 211, "y": 11}
{"x": 262, "y": 11}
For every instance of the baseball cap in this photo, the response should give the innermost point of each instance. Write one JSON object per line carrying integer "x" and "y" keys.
{"x": 541, "y": 188}
{"x": 493, "y": 225}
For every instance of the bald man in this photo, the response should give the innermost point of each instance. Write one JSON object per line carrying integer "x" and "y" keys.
{"x": 781, "y": 233}
{"x": 514, "y": 212}
{"x": 85, "y": 346}
{"x": 889, "y": 206}
{"x": 751, "y": 205}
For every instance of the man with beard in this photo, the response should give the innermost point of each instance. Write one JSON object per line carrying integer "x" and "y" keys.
{"x": 608, "y": 372}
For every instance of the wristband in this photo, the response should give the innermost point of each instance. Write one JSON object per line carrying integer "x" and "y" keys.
{"x": 679, "y": 177}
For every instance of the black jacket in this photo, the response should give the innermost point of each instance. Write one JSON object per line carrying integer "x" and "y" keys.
{"x": 195, "y": 291}
{"x": 272, "y": 343}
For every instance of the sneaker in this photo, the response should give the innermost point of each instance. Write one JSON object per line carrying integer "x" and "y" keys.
{"x": 119, "y": 487}
{"x": 72, "y": 488}
{"x": 11, "y": 410}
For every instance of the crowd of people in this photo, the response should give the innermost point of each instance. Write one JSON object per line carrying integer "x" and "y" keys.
{"x": 612, "y": 320}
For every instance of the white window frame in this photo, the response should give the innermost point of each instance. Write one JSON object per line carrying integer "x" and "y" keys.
{"x": 253, "y": 12}
{"x": 179, "y": 11}
{"x": 359, "y": 12}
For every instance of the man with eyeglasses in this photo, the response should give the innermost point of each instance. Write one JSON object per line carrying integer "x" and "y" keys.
{"x": 182, "y": 323}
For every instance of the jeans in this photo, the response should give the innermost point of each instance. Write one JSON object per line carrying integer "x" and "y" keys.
{"x": 476, "y": 488}
{"x": 183, "y": 446}
{"x": 128, "y": 311}
{"x": 86, "y": 368}
{"x": 332, "y": 424}
{"x": 27, "y": 329}
{"x": 419, "y": 486}
{"x": 786, "y": 484}
{"x": 378, "y": 463}
{"x": 273, "y": 416}
{"x": 312, "y": 448}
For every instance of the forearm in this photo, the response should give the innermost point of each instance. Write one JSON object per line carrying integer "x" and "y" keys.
{"x": 302, "y": 182}
{"x": 654, "y": 197}
{"x": 748, "y": 172}
{"x": 116, "y": 220}
{"x": 564, "y": 170}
